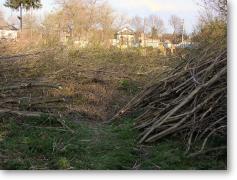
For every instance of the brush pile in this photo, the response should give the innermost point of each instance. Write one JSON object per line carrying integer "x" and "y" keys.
{"x": 191, "y": 101}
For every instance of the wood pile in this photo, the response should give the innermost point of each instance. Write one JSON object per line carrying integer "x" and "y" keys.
{"x": 190, "y": 102}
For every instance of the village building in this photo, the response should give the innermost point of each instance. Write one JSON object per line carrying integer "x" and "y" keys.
{"x": 186, "y": 45}
{"x": 145, "y": 41}
{"x": 124, "y": 38}
{"x": 8, "y": 32}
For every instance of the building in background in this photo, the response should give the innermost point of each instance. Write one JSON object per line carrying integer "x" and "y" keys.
{"x": 145, "y": 41}
{"x": 8, "y": 32}
{"x": 124, "y": 38}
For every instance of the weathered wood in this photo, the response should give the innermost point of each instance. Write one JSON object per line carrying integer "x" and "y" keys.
{"x": 30, "y": 85}
{"x": 23, "y": 113}
{"x": 191, "y": 100}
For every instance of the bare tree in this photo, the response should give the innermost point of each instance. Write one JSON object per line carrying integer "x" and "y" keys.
{"x": 83, "y": 19}
{"x": 30, "y": 24}
{"x": 212, "y": 25}
{"x": 216, "y": 8}
{"x": 105, "y": 20}
{"x": 137, "y": 23}
{"x": 176, "y": 23}
{"x": 156, "y": 23}
{"x": 120, "y": 21}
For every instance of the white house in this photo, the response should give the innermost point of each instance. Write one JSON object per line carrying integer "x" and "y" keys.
{"x": 124, "y": 38}
{"x": 8, "y": 32}
{"x": 186, "y": 45}
{"x": 149, "y": 42}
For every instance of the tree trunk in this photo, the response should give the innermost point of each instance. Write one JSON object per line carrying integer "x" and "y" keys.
{"x": 21, "y": 17}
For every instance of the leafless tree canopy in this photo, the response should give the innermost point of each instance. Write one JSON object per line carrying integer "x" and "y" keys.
{"x": 157, "y": 23}
{"x": 138, "y": 24}
{"x": 82, "y": 18}
{"x": 176, "y": 23}
{"x": 218, "y": 8}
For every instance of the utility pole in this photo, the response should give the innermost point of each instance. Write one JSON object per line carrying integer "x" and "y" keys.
{"x": 144, "y": 29}
{"x": 31, "y": 23}
{"x": 183, "y": 31}
{"x": 20, "y": 17}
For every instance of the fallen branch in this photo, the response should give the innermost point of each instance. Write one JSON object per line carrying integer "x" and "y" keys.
{"x": 30, "y": 85}
{"x": 206, "y": 151}
{"x": 23, "y": 113}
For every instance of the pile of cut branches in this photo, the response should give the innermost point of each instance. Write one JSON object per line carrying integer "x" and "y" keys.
{"x": 191, "y": 101}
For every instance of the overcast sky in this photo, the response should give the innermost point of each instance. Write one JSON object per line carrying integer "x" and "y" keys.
{"x": 186, "y": 9}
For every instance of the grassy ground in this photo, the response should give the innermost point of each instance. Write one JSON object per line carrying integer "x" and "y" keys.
{"x": 96, "y": 84}
{"x": 44, "y": 144}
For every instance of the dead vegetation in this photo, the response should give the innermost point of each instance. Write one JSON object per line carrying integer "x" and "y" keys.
{"x": 83, "y": 84}
{"x": 191, "y": 101}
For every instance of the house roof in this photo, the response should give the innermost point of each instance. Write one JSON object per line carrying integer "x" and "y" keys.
{"x": 126, "y": 31}
{"x": 8, "y": 27}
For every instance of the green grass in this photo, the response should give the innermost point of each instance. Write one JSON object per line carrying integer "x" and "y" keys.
{"x": 45, "y": 144}
{"x": 128, "y": 86}
{"x": 32, "y": 145}
{"x": 169, "y": 155}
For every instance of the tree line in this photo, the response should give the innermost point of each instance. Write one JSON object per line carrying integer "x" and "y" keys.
{"x": 89, "y": 19}
{"x": 96, "y": 21}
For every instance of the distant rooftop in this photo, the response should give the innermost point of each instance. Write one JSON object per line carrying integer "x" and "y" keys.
{"x": 8, "y": 27}
{"x": 126, "y": 30}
